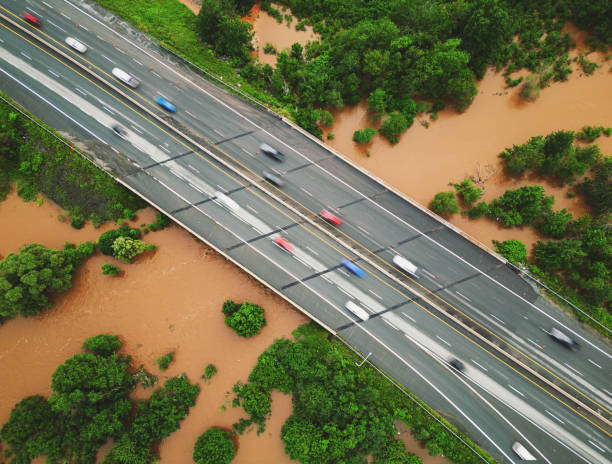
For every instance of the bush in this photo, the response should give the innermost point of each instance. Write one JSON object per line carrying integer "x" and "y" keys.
{"x": 214, "y": 446}
{"x": 106, "y": 240}
{"x": 110, "y": 269}
{"x": 377, "y": 104}
{"x": 246, "y": 319}
{"x": 444, "y": 204}
{"x": 590, "y": 133}
{"x": 164, "y": 361}
{"x": 126, "y": 248}
{"x": 161, "y": 221}
{"x": 468, "y": 192}
{"x": 513, "y": 250}
{"x": 521, "y": 206}
{"x": 393, "y": 127}
{"x": 209, "y": 371}
{"x": 270, "y": 49}
{"x": 364, "y": 136}
{"x": 599, "y": 189}
{"x": 102, "y": 345}
{"x": 554, "y": 223}
{"x": 477, "y": 211}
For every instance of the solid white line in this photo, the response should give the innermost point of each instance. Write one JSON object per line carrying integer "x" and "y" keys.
{"x": 520, "y": 393}
{"x": 375, "y": 294}
{"x": 104, "y": 56}
{"x": 137, "y": 62}
{"x": 553, "y": 416}
{"x": 598, "y": 447}
{"x": 55, "y": 25}
{"x": 25, "y": 55}
{"x": 164, "y": 148}
{"x": 593, "y": 362}
{"x": 480, "y": 365}
{"x": 409, "y": 317}
{"x": 534, "y": 343}
{"x": 312, "y": 251}
{"x": 462, "y": 295}
{"x": 442, "y": 340}
{"x": 575, "y": 370}
{"x": 252, "y": 209}
{"x": 64, "y": 15}
{"x": 497, "y": 318}
{"x": 305, "y": 191}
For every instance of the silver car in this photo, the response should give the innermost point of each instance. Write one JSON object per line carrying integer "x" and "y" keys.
{"x": 77, "y": 45}
{"x": 126, "y": 78}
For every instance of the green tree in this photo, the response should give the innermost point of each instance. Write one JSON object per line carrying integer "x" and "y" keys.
{"x": 444, "y": 204}
{"x": 246, "y": 321}
{"x": 209, "y": 371}
{"x": 126, "y": 248}
{"x": 214, "y": 446}
{"x": 102, "y": 345}
{"x": 110, "y": 269}
{"x": 526, "y": 156}
{"x": 106, "y": 240}
{"x": 521, "y": 206}
{"x": 513, "y": 250}
{"x": 377, "y": 104}
{"x": 393, "y": 126}
{"x": 29, "y": 277}
{"x": 553, "y": 256}
{"x": 468, "y": 192}
{"x": 554, "y": 223}
{"x": 599, "y": 189}
{"x": 364, "y": 136}
{"x": 164, "y": 361}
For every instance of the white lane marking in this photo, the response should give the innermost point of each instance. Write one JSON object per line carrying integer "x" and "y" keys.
{"x": 55, "y": 25}
{"x": 155, "y": 74}
{"x": 65, "y": 15}
{"x": 462, "y": 295}
{"x": 607, "y": 391}
{"x": 409, "y": 317}
{"x": 375, "y": 294}
{"x": 192, "y": 168}
{"x": 53, "y": 72}
{"x": 221, "y": 189}
{"x": 575, "y": 370}
{"x": 480, "y": 365}
{"x": 99, "y": 37}
{"x": 525, "y": 317}
{"x": 1, "y": 41}
{"x": 137, "y": 62}
{"x": 425, "y": 271}
{"x": 47, "y": 5}
{"x": 108, "y": 109}
{"x": 195, "y": 187}
{"x": 247, "y": 151}
{"x": 136, "y": 129}
{"x": 25, "y": 56}
{"x": 312, "y": 251}
{"x": 252, "y": 209}
{"x": 497, "y": 318}
{"x": 119, "y": 50}
{"x": 191, "y": 114}
{"x": 164, "y": 148}
{"x": 594, "y": 363}
{"x": 83, "y": 27}
{"x": 553, "y": 416}
{"x": 106, "y": 57}
{"x": 520, "y": 393}
{"x": 305, "y": 191}
{"x": 345, "y": 292}
{"x": 31, "y": 10}
{"x": 442, "y": 340}
{"x": 363, "y": 230}
{"x": 390, "y": 323}
{"x": 82, "y": 92}
{"x": 219, "y": 132}
{"x": 534, "y": 343}
{"x": 598, "y": 447}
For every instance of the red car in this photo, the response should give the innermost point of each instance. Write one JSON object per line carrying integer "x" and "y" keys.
{"x": 330, "y": 217}
{"x": 33, "y": 20}
{"x": 283, "y": 243}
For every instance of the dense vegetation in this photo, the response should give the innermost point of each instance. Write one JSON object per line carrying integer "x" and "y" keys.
{"x": 341, "y": 412}
{"x": 29, "y": 278}
{"x": 402, "y": 50}
{"x": 214, "y": 447}
{"x": 38, "y": 162}
{"x": 245, "y": 319}
{"x": 89, "y": 405}
{"x": 577, "y": 259}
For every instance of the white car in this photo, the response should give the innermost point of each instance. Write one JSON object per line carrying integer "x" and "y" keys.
{"x": 78, "y": 46}
{"x": 522, "y": 452}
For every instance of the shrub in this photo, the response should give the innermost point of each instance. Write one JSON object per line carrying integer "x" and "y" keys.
{"x": 270, "y": 49}
{"x": 106, "y": 240}
{"x": 364, "y": 136}
{"x": 209, "y": 371}
{"x": 521, "y": 206}
{"x": 530, "y": 90}
{"x": 513, "y": 250}
{"x": 477, "y": 211}
{"x": 214, "y": 446}
{"x": 468, "y": 192}
{"x": 377, "y": 104}
{"x": 554, "y": 223}
{"x": 110, "y": 269}
{"x": 246, "y": 319}
{"x": 393, "y": 126}
{"x": 126, "y": 248}
{"x": 590, "y": 133}
{"x": 146, "y": 379}
{"x": 164, "y": 361}
{"x": 102, "y": 345}
{"x": 444, "y": 204}
{"x": 161, "y": 221}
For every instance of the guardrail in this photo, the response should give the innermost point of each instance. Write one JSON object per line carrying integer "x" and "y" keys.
{"x": 300, "y": 210}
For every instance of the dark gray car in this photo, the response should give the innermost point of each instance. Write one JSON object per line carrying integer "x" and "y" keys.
{"x": 272, "y": 152}
{"x": 273, "y": 179}
{"x": 563, "y": 339}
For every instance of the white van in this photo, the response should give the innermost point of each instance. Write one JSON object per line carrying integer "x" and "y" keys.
{"x": 406, "y": 265}
{"x": 126, "y": 78}
{"x": 522, "y": 452}
{"x": 357, "y": 310}
{"x": 226, "y": 201}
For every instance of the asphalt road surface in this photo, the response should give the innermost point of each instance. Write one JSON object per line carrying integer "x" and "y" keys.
{"x": 491, "y": 401}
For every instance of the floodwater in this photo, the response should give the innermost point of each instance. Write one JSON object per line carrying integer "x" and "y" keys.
{"x": 456, "y": 146}
{"x": 169, "y": 300}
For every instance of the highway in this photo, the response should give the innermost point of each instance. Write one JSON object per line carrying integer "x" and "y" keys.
{"x": 490, "y": 401}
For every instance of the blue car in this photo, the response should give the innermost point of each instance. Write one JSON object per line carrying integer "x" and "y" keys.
{"x": 165, "y": 104}
{"x": 353, "y": 268}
